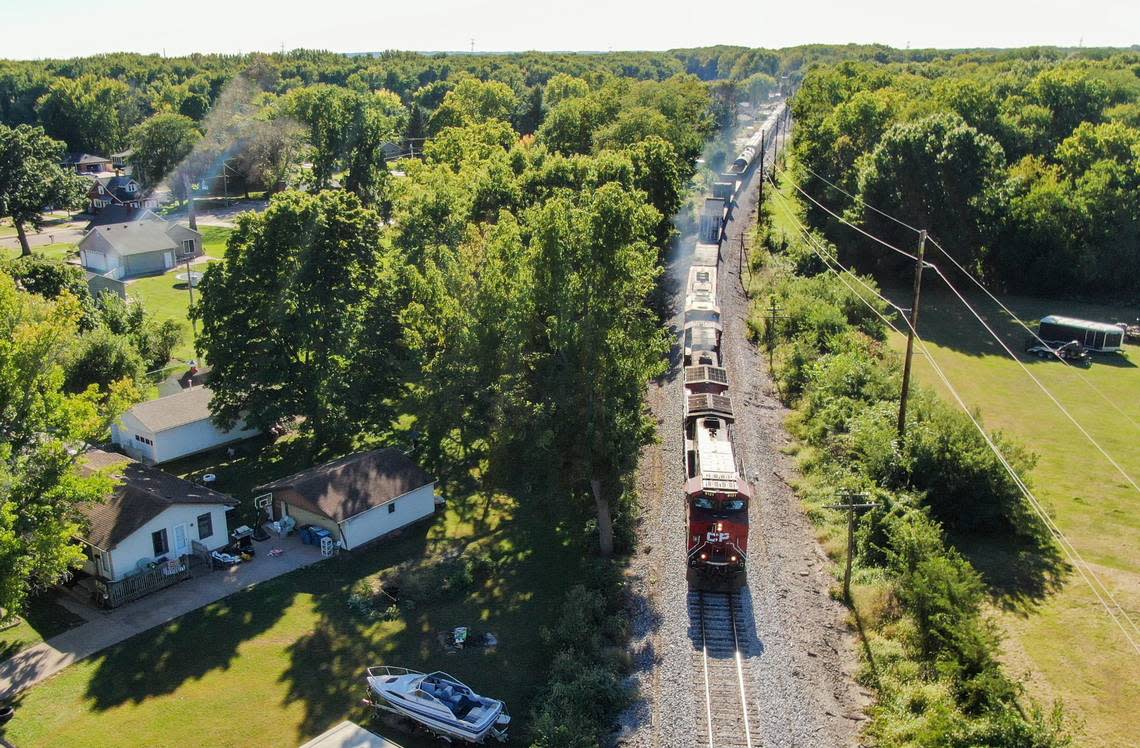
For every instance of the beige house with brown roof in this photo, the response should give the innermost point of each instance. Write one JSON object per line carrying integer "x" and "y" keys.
{"x": 357, "y": 498}
{"x": 151, "y": 515}
{"x": 174, "y": 426}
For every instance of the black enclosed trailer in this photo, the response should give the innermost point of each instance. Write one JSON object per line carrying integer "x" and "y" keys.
{"x": 1098, "y": 337}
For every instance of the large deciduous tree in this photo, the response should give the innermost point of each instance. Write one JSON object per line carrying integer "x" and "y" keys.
{"x": 31, "y": 179}
{"x": 595, "y": 267}
{"x": 91, "y": 113}
{"x": 41, "y": 427}
{"x": 160, "y": 144}
{"x": 304, "y": 295}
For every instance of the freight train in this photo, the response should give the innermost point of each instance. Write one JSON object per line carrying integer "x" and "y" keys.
{"x": 718, "y": 493}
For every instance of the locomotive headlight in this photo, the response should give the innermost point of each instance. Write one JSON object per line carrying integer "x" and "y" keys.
{"x": 733, "y": 558}
{"x": 704, "y": 556}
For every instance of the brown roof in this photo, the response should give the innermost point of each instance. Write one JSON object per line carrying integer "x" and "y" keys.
{"x": 141, "y": 495}
{"x": 346, "y": 487}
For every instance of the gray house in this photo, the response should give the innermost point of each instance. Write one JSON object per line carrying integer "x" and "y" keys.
{"x": 123, "y": 250}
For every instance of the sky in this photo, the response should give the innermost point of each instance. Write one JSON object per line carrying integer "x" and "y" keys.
{"x": 69, "y": 28}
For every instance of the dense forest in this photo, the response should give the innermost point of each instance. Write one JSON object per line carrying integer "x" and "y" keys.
{"x": 1026, "y": 168}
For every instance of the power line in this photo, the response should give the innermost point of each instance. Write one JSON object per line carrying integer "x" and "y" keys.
{"x": 1015, "y": 318}
{"x": 979, "y": 284}
{"x": 859, "y": 200}
{"x": 1037, "y": 381}
{"x": 840, "y": 218}
{"x": 993, "y": 334}
{"x": 1070, "y": 550}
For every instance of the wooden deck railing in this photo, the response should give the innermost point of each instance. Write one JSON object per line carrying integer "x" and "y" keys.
{"x": 114, "y": 594}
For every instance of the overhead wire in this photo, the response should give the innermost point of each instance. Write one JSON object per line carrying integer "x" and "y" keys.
{"x": 1116, "y": 465}
{"x": 1055, "y": 354}
{"x": 1087, "y": 574}
{"x": 1036, "y": 336}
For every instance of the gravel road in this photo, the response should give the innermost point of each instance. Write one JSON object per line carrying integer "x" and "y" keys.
{"x": 800, "y": 653}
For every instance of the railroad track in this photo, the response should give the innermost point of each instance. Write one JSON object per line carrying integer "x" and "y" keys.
{"x": 724, "y": 720}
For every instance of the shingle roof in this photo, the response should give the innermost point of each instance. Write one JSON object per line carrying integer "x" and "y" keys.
{"x": 188, "y": 406}
{"x": 85, "y": 158}
{"x": 136, "y": 237}
{"x": 141, "y": 495}
{"x": 117, "y": 213}
{"x": 346, "y": 487}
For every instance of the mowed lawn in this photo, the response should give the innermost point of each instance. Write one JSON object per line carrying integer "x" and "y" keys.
{"x": 284, "y": 661}
{"x": 1062, "y": 640}
{"x": 166, "y": 297}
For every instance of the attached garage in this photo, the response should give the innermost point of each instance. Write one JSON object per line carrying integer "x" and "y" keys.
{"x": 357, "y": 498}
{"x": 146, "y": 263}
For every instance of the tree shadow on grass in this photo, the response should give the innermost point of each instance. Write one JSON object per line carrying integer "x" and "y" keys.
{"x": 1020, "y": 573}
{"x": 159, "y": 661}
{"x": 536, "y": 556}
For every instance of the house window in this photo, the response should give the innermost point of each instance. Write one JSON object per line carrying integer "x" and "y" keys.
{"x": 205, "y": 526}
{"x": 158, "y": 539}
{"x": 188, "y": 246}
{"x": 132, "y": 187}
{"x": 391, "y": 507}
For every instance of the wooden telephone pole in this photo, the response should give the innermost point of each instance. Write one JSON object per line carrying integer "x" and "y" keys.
{"x": 849, "y": 502}
{"x": 760, "y": 198}
{"x": 910, "y": 334}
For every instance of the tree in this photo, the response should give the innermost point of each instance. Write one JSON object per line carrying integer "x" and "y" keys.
{"x": 367, "y": 175}
{"x": 595, "y": 268}
{"x": 40, "y": 487}
{"x": 561, "y": 87}
{"x": 303, "y": 287}
{"x": 473, "y": 101}
{"x": 938, "y": 173}
{"x": 160, "y": 144}
{"x": 102, "y": 358}
{"x": 90, "y": 113}
{"x": 31, "y": 179}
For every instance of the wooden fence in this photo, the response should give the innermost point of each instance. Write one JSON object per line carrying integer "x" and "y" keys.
{"x": 114, "y": 594}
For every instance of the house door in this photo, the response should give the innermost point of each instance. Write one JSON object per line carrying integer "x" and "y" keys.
{"x": 182, "y": 539}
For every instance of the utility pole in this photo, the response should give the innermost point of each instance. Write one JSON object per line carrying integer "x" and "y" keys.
{"x": 850, "y": 501}
{"x": 773, "y": 315}
{"x": 776, "y": 148}
{"x": 190, "y": 285}
{"x": 918, "y": 263}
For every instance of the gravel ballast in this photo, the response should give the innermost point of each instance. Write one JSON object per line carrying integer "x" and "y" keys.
{"x": 800, "y": 654}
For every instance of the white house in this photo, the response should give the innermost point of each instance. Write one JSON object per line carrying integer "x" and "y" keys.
{"x": 174, "y": 426}
{"x": 357, "y": 498}
{"x": 150, "y": 515}
{"x": 139, "y": 247}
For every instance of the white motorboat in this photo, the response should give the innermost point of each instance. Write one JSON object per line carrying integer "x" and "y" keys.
{"x": 438, "y": 701}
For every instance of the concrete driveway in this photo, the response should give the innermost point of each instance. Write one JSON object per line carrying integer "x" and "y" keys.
{"x": 106, "y": 628}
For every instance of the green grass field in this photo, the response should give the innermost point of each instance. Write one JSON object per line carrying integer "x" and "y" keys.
{"x": 1059, "y": 639}
{"x": 284, "y": 661}
{"x": 58, "y": 251}
{"x": 168, "y": 298}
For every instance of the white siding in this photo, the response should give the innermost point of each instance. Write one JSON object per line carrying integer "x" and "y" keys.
{"x": 94, "y": 261}
{"x": 195, "y": 437}
{"x": 138, "y": 545}
{"x": 123, "y": 433}
{"x": 379, "y": 520}
{"x": 173, "y": 443}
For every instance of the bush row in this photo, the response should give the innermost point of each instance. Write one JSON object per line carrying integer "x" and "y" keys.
{"x": 932, "y": 653}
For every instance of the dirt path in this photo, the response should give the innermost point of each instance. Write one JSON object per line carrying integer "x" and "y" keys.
{"x": 800, "y": 653}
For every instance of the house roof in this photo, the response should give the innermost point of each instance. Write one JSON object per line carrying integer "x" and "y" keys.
{"x": 118, "y": 213}
{"x": 141, "y": 495}
{"x": 135, "y": 237}
{"x": 188, "y": 406}
{"x": 75, "y": 159}
{"x": 344, "y": 488}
